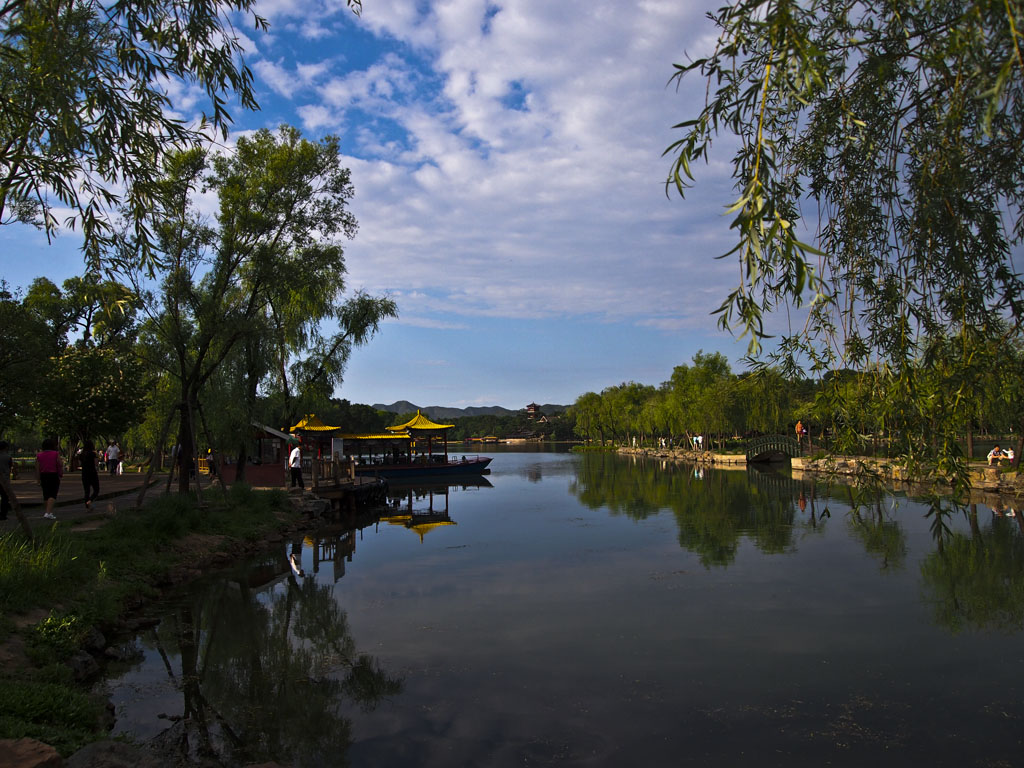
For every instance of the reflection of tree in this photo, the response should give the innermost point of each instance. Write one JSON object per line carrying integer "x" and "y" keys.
{"x": 266, "y": 675}
{"x": 977, "y": 581}
{"x": 714, "y": 512}
{"x": 882, "y": 538}
{"x": 623, "y": 487}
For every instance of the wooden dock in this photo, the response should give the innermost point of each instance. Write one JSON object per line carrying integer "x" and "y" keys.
{"x": 336, "y": 482}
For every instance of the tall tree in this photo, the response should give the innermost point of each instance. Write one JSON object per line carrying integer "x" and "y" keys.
{"x": 90, "y": 392}
{"x": 25, "y": 349}
{"x": 282, "y": 201}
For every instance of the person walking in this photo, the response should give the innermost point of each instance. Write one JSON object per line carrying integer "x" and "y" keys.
{"x": 90, "y": 473}
{"x": 295, "y": 465}
{"x": 49, "y": 471}
{"x": 113, "y": 458}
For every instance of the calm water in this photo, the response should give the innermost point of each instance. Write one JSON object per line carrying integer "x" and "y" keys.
{"x": 599, "y": 611}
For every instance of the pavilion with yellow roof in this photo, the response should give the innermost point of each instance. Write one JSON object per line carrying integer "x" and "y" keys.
{"x": 404, "y": 449}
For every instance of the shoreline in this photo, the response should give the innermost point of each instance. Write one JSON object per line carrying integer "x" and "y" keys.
{"x": 194, "y": 554}
{"x": 984, "y": 479}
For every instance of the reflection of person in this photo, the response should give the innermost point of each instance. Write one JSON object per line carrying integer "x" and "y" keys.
{"x": 49, "y": 470}
{"x": 995, "y": 455}
{"x": 90, "y": 473}
{"x": 295, "y": 464}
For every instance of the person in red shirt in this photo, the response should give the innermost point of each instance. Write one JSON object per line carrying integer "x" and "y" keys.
{"x": 49, "y": 471}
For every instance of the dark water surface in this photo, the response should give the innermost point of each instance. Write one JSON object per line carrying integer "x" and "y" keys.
{"x": 599, "y": 611}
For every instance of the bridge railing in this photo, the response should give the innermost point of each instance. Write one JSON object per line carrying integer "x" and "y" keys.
{"x": 787, "y": 446}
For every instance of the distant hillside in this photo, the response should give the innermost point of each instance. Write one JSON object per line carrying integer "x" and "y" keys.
{"x": 443, "y": 412}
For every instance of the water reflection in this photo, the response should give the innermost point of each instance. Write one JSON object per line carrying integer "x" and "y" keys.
{"x": 976, "y": 579}
{"x": 261, "y": 662}
{"x": 714, "y": 509}
{"x": 591, "y": 610}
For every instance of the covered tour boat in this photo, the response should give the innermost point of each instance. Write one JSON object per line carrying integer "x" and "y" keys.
{"x": 418, "y": 448}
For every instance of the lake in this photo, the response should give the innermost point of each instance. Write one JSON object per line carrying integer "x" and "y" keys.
{"x": 598, "y": 610}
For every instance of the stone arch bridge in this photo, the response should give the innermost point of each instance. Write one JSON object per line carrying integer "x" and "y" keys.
{"x": 772, "y": 448}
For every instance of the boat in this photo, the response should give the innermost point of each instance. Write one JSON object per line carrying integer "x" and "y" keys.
{"x": 418, "y": 448}
{"x": 439, "y": 466}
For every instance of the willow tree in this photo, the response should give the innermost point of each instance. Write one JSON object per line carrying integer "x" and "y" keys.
{"x": 283, "y": 204}
{"x": 897, "y": 126}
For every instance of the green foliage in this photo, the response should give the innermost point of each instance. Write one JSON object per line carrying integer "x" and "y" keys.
{"x": 56, "y": 714}
{"x": 900, "y": 124}
{"x": 90, "y": 392}
{"x": 705, "y": 398}
{"x": 86, "y": 111}
{"x": 36, "y": 572}
{"x": 56, "y": 637}
{"x": 242, "y": 302}
{"x": 24, "y": 356}
{"x": 92, "y": 575}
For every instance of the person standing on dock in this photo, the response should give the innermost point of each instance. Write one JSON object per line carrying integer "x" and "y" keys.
{"x": 295, "y": 464}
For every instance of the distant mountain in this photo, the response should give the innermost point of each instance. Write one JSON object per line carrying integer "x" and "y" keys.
{"x": 443, "y": 412}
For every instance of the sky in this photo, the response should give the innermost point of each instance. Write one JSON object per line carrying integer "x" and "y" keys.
{"x": 507, "y": 159}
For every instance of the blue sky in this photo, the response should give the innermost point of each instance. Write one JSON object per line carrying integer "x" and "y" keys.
{"x": 507, "y": 162}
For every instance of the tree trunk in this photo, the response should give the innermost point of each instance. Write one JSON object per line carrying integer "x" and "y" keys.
{"x": 186, "y": 443}
{"x": 970, "y": 444}
{"x": 243, "y": 459}
{"x": 157, "y": 451}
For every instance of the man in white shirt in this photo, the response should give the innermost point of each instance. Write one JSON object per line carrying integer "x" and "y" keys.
{"x": 113, "y": 457}
{"x": 295, "y": 465}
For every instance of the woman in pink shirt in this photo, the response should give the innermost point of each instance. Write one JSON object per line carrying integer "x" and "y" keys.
{"x": 49, "y": 471}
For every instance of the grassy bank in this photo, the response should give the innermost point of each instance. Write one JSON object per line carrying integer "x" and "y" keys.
{"x": 57, "y": 591}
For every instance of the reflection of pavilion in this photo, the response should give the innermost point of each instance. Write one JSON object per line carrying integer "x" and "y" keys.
{"x": 420, "y": 507}
{"x": 337, "y": 549}
{"x": 424, "y": 507}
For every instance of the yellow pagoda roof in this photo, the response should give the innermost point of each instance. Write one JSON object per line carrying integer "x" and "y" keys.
{"x": 419, "y": 421}
{"x": 310, "y": 423}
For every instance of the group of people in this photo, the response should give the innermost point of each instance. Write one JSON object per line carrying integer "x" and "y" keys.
{"x": 49, "y": 468}
{"x": 997, "y": 454}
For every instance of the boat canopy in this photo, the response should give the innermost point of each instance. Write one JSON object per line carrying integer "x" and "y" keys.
{"x": 311, "y": 423}
{"x": 420, "y": 423}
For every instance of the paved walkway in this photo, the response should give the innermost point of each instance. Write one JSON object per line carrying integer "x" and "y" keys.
{"x": 121, "y": 491}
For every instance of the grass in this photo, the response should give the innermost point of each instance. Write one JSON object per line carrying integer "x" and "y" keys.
{"x": 34, "y": 573}
{"x": 85, "y": 580}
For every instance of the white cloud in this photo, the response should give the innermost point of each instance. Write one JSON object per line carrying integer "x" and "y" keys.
{"x": 279, "y": 79}
{"x": 507, "y": 157}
